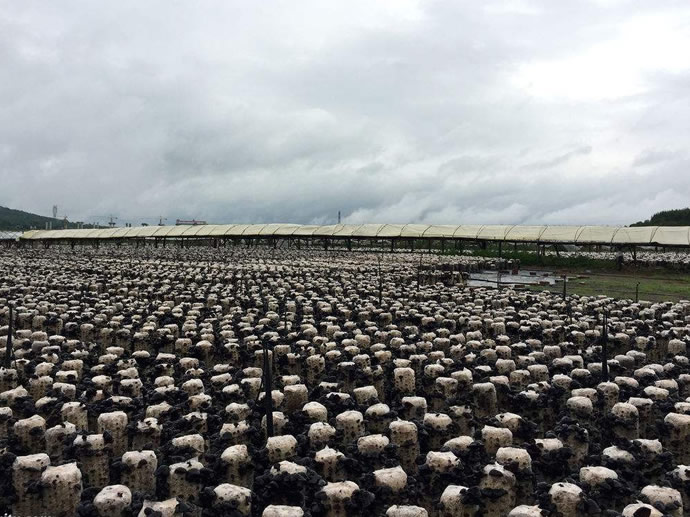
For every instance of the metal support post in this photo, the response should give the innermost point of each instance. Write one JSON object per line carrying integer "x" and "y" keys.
{"x": 604, "y": 348}
{"x": 9, "y": 351}
{"x": 268, "y": 395}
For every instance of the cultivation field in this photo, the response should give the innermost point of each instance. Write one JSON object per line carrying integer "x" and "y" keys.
{"x": 654, "y": 285}
{"x": 140, "y": 382}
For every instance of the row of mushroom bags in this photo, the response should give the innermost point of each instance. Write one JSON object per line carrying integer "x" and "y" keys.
{"x": 136, "y": 386}
{"x": 644, "y": 258}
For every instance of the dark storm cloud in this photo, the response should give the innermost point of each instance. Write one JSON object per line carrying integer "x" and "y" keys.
{"x": 391, "y": 111}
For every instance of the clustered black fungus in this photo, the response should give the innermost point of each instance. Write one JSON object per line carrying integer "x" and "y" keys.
{"x": 507, "y": 408}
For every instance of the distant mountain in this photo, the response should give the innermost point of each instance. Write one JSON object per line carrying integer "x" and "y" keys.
{"x": 18, "y": 220}
{"x": 678, "y": 217}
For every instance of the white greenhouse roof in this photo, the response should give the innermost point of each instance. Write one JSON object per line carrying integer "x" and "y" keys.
{"x": 9, "y": 236}
{"x": 661, "y": 235}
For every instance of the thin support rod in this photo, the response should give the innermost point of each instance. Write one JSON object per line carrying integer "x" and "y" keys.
{"x": 268, "y": 397}
{"x": 10, "y": 330}
{"x": 604, "y": 348}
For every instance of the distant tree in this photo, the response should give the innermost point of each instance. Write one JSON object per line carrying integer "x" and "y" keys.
{"x": 677, "y": 217}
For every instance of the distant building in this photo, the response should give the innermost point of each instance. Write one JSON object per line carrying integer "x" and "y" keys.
{"x": 193, "y": 222}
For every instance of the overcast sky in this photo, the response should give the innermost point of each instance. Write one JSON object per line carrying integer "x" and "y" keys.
{"x": 516, "y": 112}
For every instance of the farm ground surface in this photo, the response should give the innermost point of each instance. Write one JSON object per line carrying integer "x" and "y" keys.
{"x": 652, "y": 284}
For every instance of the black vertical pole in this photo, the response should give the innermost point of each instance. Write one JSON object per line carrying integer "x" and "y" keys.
{"x": 604, "y": 348}
{"x": 637, "y": 292}
{"x": 565, "y": 285}
{"x": 419, "y": 272}
{"x": 10, "y": 330}
{"x": 498, "y": 264}
{"x": 268, "y": 397}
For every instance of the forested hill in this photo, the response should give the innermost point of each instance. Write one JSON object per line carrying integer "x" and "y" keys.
{"x": 18, "y": 220}
{"x": 679, "y": 217}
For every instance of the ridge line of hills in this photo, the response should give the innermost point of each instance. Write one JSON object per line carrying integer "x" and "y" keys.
{"x": 19, "y": 220}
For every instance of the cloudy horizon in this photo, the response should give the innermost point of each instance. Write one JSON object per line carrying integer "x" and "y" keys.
{"x": 396, "y": 111}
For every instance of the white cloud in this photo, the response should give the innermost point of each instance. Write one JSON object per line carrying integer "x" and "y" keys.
{"x": 619, "y": 66}
{"x": 396, "y": 111}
